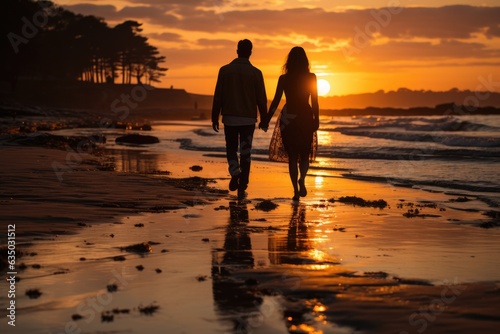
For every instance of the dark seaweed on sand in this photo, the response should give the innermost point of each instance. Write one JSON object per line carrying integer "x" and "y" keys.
{"x": 490, "y": 224}
{"x": 122, "y": 311}
{"x": 493, "y": 214}
{"x": 33, "y": 293}
{"x": 407, "y": 281}
{"x": 112, "y": 287}
{"x": 148, "y": 310}
{"x": 107, "y": 317}
{"x": 412, "y": 213}
{"x": 196, "y": 168}
{"x": 143, "y": 247}
{"x": 266, "y": 205}
{"x": 495, "y": 222}
{"x": 461, "y": 199}
{"x": 358, "y": 201}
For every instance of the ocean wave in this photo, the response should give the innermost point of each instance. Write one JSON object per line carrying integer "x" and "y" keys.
{"x": 460, "y": 185}
{"x": 383, "y": 121}
{"x": 399, "y": 153}
{"x": 380, "y": 153}
{"x": 442, "y": 124}
{"x": 447, "y": 140}
{"x": 453, "y": 125}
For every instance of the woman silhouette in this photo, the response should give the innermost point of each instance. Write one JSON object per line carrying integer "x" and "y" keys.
{"x": 299, "y": 120}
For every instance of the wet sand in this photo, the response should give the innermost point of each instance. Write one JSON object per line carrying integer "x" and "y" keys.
{"x": 211, "y": 263}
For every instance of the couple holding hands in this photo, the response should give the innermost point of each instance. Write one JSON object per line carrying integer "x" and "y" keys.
{"x": 240, "y": 92}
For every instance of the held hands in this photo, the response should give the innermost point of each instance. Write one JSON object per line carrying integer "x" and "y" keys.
{"x": 263, "y": 125}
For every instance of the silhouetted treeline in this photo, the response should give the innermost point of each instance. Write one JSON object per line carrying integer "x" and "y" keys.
{"x": 44, "y": 41}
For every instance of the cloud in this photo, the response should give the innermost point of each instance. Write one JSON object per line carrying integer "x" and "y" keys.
{"x": 457, "y": 22}
{"x": 190, "y": 3}
{"x": 443, "y": 22}
{"x": 204, "y": 33}
{"x": 166, "y": 37}
{"x": 425, "y": 51}
{"x": 204, "y": 42}
{"x": 493, "y": 31}
{"x": 148, "y": 13}
{"x": 111, "y": 13}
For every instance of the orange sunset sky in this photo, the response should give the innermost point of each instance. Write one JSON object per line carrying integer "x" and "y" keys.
{"x": 357, "y": 46}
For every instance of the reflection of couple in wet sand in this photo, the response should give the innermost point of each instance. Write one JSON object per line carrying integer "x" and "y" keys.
{"x": 240, "y": 91}
{"x": 234, "y": 297}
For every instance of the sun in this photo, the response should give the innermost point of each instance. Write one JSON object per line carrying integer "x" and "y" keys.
{"x": 323, "y": 87}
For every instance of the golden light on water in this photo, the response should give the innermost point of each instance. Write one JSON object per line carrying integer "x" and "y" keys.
{"x": 319, "y": 308}
{"x": 317, "y": 255}
{"x": 324, "y": 138}
{"x": 319, "y": 266}
{"x": 304, "y": 328}
{"x": 318, "y": 181}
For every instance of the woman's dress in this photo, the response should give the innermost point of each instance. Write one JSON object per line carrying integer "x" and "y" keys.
{"x": 294, "y": 131}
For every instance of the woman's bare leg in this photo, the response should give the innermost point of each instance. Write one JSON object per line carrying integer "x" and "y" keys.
{"x": 304, "y": 167}
{"x": 294, "y": 173}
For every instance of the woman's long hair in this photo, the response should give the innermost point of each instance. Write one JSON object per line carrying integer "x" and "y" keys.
{"x": 296, "y": 62}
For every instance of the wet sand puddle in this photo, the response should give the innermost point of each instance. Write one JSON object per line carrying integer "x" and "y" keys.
{"x": 240, "y": 266}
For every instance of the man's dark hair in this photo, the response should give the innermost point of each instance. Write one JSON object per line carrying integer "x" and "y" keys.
{"x": 244, "y": 48}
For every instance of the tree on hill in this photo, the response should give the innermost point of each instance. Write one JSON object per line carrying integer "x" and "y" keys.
{"x": 137, "y": 58}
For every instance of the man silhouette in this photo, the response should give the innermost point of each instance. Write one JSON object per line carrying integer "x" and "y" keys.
{"x": 239, "y": 92}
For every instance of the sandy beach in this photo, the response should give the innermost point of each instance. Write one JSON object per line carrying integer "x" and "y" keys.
{"x": 115, "y": 210}
{"x": 100, "y": 249}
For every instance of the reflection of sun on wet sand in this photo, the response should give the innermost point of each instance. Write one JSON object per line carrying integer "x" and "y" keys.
{"x": 328, "y": 264}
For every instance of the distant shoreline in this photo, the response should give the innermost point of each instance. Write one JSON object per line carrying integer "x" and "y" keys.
{"x": 145, "y": 101}
{"x": 448, "y": 109}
